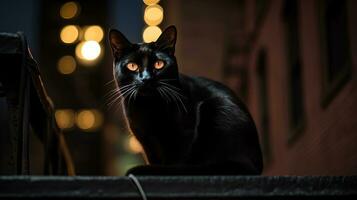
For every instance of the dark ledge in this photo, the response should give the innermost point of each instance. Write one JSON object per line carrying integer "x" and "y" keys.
{"x": 171, "y": 187}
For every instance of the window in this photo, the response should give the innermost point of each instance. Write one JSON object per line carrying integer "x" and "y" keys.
{"x": 295, "y": 93}
{"x": 264, "y": 103}
{"x": 336, "y": 61}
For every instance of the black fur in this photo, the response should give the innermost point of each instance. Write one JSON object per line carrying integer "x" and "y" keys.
{"x": 186, "y": 125}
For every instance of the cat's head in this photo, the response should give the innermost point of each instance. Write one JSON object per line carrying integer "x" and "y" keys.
{"x": 144, "y": 65}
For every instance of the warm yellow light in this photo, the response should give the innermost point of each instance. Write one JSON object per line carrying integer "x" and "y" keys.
{"x": 69, "y": 10}
{"x": 94, "y": 33}
{"x": 69, "y": 34}
{"x": 79, "y": 50}
{"x": 85, "y": 119}
{"x": 88, "y": 50}
{"x": 66, "y": 65}
{"x": 134, "y": 145}
{"x": 153, "y": 15}
{"x": 151, "y": 33}
{"x": 89, "y": 119}
{"x": 64, "y": 118}
{"x": 151, "y": 2}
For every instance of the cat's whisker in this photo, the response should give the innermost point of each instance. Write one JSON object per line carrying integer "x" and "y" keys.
{"x": 176, "y": 99}
{"x": 169, "y": 95}
{"x": 124, "y": 96}
{"x": 136, "y": 94}
{"x": 180, "y": 100}
{"x": 121, "y": 95}
{"x": 131, "y": 95}
{"x": 171, "y": 86}
{"x": 109, "y": 82}
{"x": 127, "y": 86}
{"x": 109, "y": 93}
{"x": 162, "y": 95}
{"x": 115, "y": 90}
{"x": 115, "y": 93}
{"x": 176, "y": 92}
{"x": 177, "y": 96}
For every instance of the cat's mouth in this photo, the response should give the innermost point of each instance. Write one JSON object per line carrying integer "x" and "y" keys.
{"x": 147, "y": 90}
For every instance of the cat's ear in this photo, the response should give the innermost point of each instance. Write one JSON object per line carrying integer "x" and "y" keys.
{"x": 118, "y": 42}
{"x": 167, "y": 40}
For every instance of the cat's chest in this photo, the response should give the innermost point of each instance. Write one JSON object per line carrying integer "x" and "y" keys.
{"x": 158, "y": 114}
{"x": 151, "y": 111}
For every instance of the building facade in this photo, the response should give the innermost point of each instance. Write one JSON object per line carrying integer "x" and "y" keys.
{"x": 293, "y": 63}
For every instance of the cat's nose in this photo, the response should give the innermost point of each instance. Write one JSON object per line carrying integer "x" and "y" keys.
{"x": 145, "y": 77}
{"x": 145, "y": 80}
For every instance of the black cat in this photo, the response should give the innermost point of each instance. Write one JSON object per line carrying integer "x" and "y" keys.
{"x": 186, "y": 125}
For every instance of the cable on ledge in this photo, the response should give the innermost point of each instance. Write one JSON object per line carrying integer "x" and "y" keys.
{"x": 136, "y": 182}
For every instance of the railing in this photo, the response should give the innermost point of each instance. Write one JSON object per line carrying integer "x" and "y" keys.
{"x": 179, "y": 187}
{"x": 25, "y": 109}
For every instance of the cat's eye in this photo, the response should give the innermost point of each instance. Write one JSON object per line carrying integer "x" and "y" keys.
{"x": 159, "y": 64}
{"x": 132, "y": 66}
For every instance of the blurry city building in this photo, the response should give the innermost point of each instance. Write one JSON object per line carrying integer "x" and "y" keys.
{"x": 293, "y": 63}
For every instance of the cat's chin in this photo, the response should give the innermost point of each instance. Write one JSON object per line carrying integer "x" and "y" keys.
{"x": 147, "y": 92}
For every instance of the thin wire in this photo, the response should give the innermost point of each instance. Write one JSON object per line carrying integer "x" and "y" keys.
{"x": 138, "y": 186}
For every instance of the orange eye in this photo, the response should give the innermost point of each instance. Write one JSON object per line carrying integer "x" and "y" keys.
{"x": 159, "y": 64}
{"x": 132, "y": 66}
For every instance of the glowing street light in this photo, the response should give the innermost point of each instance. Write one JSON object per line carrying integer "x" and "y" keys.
{"x": 88, "y": 51}
{"x": 153, "y": 15}
{"x": 88, "y": 120}
{"x": 69, "y": 34}
{"x": 151, "y": 34}
{"x": 93, "y": 33}
{"x": 64, "y": 118}
{"x": 151, "y": 2}
{"x": 69, "y": 10}
{"x": 66, "y": 65}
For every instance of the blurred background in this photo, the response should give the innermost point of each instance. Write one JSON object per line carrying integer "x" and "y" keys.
{"x": 291, "y": 61}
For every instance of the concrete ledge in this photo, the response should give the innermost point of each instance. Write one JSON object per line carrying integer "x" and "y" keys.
{"x": 179, "y": 187}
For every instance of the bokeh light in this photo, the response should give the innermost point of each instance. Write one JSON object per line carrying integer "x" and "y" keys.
{"x": 69, "y": 10}
{"x": 151, "y": 2}
{"x": 65, "y": 118}
{"x": 94, "y": 33}
{"x": 153, "y": 15}
{"x": 134, "y": 145}
{"x": 88, "y": 50}
{"x": 66, "y": 65}
{"x": 151, "y": 34}
{"x": 88, "y": 120}
{"x": 69, "y": 34}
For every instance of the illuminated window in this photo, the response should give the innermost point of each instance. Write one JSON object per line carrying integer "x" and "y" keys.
{"x": 69, "y": 10}
{"x": 64, "y": 118}
{"x": 66, "y": 65}
{"x": 89, "y": 120}
{"x": 69, "y": 34}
